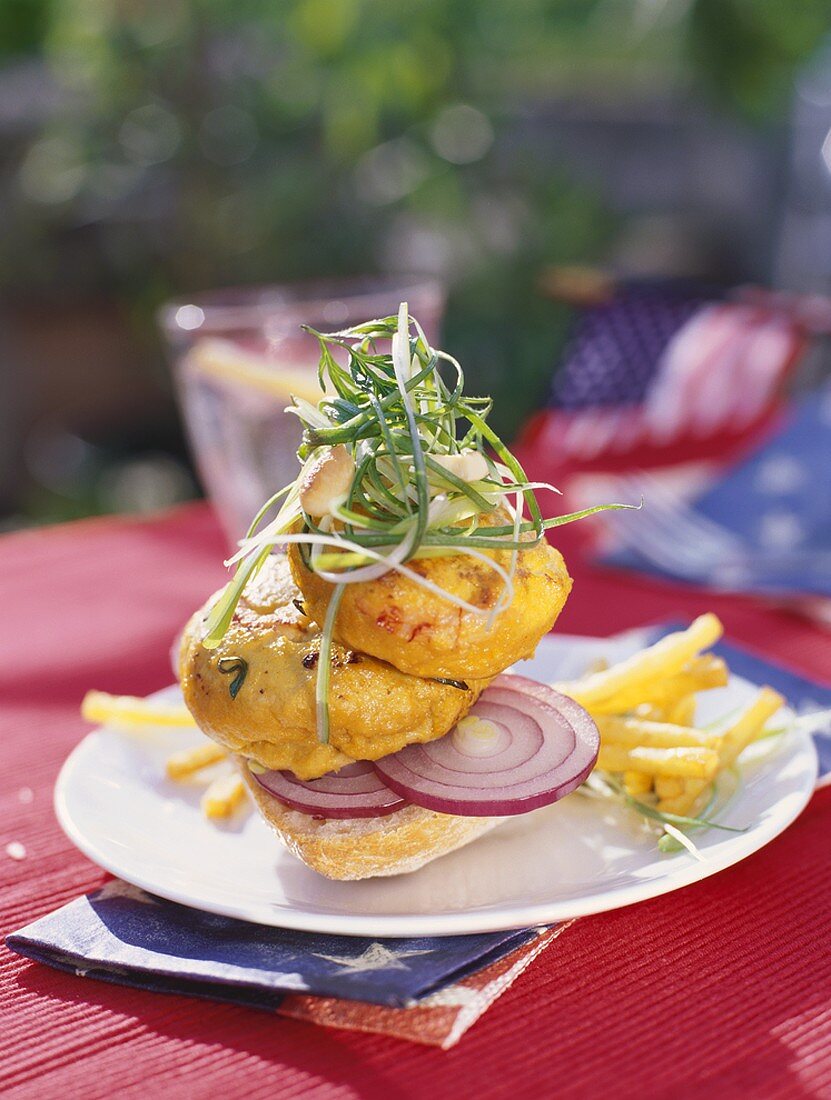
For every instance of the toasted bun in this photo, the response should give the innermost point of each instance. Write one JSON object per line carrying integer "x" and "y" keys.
{"x": 366, "y": 847}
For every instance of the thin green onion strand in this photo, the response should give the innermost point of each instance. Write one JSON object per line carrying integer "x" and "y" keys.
{"x": 257, "y": 520}
{"x": 324, "y": 666}
{"x": 219, "y": 619}
{"x": 655, "y": 814}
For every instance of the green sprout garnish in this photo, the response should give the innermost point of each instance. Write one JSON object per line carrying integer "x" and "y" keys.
{"x": 236, "y": 667}
{"x": 324, "y": 666}
{"x": 655, "y": 814}
{"x": 399, "y": 419}
{"x": 675, "y": 827}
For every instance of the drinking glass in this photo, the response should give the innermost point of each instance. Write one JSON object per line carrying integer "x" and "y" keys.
{"x": 238, "y": 356}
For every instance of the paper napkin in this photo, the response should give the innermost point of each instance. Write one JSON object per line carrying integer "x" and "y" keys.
{"x": 122, "y": 934}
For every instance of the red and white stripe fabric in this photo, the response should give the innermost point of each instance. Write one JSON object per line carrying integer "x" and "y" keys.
{"x": 714, "y": 392}
{"x": 440, "y": 1019}
{"x": 721, "y": 371}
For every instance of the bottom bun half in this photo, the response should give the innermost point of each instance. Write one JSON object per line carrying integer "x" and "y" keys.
{"x": 366, "y": 847}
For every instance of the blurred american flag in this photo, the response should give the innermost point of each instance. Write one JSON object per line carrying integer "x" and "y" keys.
{"x": 662, "y": 372}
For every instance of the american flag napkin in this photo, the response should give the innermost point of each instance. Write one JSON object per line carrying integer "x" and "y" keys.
{"x": 427, "y": 990}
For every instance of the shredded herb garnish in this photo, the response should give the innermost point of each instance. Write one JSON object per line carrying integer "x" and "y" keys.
{"x": 398, "y": 406}
{"x": 237, "y": 666}
{"x": 324, "y": 666}
{"x": 675, "y": 826}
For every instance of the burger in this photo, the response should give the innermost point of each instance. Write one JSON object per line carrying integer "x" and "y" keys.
{"x": 355, "y": 664}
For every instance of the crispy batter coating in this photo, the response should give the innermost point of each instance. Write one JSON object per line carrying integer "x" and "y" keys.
{"x": 374, "y": 708}
{"x": 399, "y": 621}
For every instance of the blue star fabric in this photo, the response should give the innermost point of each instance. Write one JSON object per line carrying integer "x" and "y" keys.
{"x": 777, "y": 503}
{"x": 614, "y": 351}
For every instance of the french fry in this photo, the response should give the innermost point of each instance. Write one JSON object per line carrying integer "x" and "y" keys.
{"x": 670, "y": 786}
{"x": 694, "y": 787}
{"x": 699, "y": 674}
{"x": 635, "y": 732}
{"x": 182, "y": 764}
{"x": 683, "y": 712}
{"x": 648, "y": 712}
{"x": 637, "y": 783}
{"x": 685, "y": 804}
{"x": 645, "y": 709}
{"x": 707, "y": 670}
{"x": 739, "y": 735}
{"x": 735, "y": 740}
{"x": 223, "y": 796}
{"x": 664, "y": 659}
{"x": 131, "y": 712}
{"x": 696, "y": 763}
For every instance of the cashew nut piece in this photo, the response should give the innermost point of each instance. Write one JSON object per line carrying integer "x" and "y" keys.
{"x": 467, "y": 466}
{"x": 327, "y": 480}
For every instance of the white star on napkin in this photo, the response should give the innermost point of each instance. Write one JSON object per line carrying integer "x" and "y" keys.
{"x": 376, "y": 957}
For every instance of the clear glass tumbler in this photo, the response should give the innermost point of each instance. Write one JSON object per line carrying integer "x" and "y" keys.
{"x": 238, "y": 355}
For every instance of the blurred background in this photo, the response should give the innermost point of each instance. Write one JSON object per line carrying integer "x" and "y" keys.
{"x": 524, "y": 155}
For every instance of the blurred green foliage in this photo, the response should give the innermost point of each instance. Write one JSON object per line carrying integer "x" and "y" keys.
{"x": 201, "y": 143}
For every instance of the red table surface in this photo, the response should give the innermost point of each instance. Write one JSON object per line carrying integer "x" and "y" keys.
{"x": 722, "y": 989}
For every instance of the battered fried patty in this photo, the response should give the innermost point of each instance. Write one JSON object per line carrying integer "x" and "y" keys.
{"x": 374, "y": 709}
{"x": 397, "y": 620}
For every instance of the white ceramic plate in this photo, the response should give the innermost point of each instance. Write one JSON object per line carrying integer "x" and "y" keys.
{"x": 579, "y": 856}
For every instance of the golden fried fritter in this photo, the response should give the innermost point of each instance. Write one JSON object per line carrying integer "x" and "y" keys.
{"x": 397, "y": 620}
{"x": 374, "y": 709}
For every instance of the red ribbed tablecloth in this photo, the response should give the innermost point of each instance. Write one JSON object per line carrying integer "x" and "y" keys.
{"x": 720, "y": 990}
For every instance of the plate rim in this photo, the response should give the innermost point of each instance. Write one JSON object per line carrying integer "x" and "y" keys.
{"x": 460, "y": 922}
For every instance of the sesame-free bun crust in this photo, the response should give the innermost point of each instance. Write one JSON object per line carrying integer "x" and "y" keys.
{"x": 367, "y": 847}
{"x": 374, "y": 709}
{"x": 420, "y": 632}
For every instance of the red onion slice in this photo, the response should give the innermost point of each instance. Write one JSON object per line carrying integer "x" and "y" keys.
{"x": 545, "y": 746}
{"x": 515, "y": 732}
{"x": 355, "y": 791}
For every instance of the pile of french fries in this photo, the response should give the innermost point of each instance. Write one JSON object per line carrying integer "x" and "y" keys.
{"x": 225, "y": 792}
{"x": 644, "y": 707}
